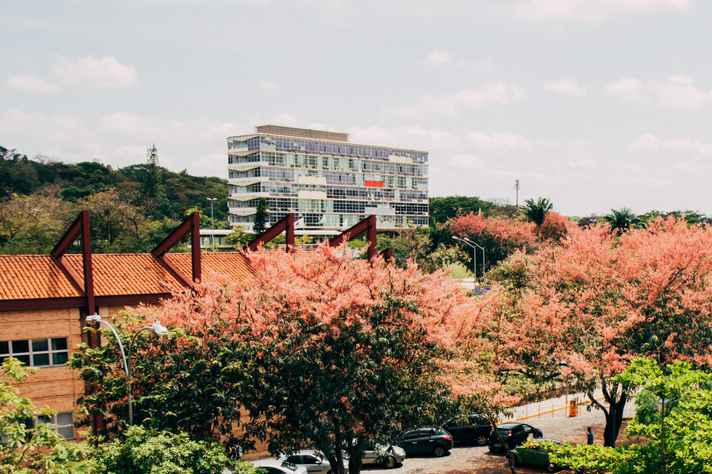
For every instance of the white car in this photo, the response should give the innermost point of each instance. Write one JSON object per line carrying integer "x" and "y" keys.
{"x": 385, "y": 456}
{"x": 311, "y": 460}
{"x": 273, "y": 466}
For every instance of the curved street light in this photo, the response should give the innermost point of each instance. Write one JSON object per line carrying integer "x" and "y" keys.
{"x": 157, "y": 328}
{"x": 474, "y": 246}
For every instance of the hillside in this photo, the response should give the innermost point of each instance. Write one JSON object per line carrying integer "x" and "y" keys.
{"x": 132, "y": 207}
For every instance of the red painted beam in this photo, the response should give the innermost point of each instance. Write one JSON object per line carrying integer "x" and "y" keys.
{"x": 368, "y": 226}
{"x": 190, "y": 224}
{"x": 286, "y": 224}
{"x": 80, "y": 228}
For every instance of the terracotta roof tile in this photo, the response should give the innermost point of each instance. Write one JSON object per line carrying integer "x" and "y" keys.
{"x": 38, "y": 276}
{"x": 33, "y": 276}
{"x": 232, "y": 264}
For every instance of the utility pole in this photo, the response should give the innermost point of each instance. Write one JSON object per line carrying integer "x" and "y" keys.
{"x": 516, "y": 190}
{"x": 212, "y": 218}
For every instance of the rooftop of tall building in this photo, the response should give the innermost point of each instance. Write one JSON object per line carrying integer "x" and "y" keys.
{"x": 303, "y": 133}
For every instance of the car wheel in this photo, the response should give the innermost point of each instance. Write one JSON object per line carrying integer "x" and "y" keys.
{"x": 390, "y": 462}
{"x": 482, "y": 440}
{"x": 439, "y": 451}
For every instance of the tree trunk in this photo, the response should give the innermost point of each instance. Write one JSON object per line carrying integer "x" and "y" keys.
{"x": 355, "y": 463}
{"x": 614, "y": 420}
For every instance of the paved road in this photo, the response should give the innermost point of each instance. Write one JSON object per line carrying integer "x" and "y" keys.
{"x": 477, "y": 460}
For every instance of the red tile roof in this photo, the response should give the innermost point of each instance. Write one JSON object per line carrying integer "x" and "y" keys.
{"x": 33, "y": 276}
{"x": 39, "y": 276}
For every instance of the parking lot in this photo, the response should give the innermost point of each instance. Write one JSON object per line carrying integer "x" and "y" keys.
{"x": 477, "y": 460}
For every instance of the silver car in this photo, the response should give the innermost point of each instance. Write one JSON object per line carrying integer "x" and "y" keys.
{"x": 273, "y": 466}
{"x": 386, "y": 456}
{"x": 313, "y": 461}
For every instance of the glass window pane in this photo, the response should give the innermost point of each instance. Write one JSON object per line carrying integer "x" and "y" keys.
{"x": 65, "y": 418}
{"x": 67, "y": 432}
{"x": 4, "y": 347}
{"x": 39, "y": 360}
{"x": 39, "y": 345}
{"x": 25, "y": 359}
{"x": 44, "y": 419}
{"x": 21, "y": 346}
{"x": 59, "y": 343}
{"x": 59, "y": 358}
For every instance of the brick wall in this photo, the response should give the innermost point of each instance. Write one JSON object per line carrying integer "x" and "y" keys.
{"x": 53, "y": 387}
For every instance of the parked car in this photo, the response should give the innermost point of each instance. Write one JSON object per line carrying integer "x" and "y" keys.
{"x": 273, "y": 466}
{"x": 424, "y": 441}
{"x": 473, "y": 429}
{"x": 311, "y": 460}
{"x": 512, "y": 435}
{"x": 386, "y": 456}
{"x": 532, "y": 455}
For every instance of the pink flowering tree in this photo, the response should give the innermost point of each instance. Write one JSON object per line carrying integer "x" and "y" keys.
{"x": 579, "y": 311}
{"x": 337, "y": 352}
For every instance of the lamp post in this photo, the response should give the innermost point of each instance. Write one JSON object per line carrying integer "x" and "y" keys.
{"x": 474, "y": 253}
{"x": 484, "y": 259}
{"x": 212, "y": 235}
{"x": 157, "y": 328}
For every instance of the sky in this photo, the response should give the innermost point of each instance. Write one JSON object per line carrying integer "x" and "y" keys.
{"x": 595, "y": 104}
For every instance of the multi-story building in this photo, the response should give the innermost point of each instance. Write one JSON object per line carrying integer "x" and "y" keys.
{"x": 328, "y": 181}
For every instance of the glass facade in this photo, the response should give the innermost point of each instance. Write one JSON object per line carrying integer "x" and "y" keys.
{"x": 330, "y": 184}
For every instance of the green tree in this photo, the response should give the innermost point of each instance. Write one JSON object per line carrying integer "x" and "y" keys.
{"x": 622, "y": 220}
{"x": 180, "y": 383}
{"x": 260, "y": 217}
{"x": 27, "y": 447}
{"x": 143, "y": 451}
{"x": 536, "y": 209}
{"x": 239, "y": 238}
{"x": 32, "y": 224}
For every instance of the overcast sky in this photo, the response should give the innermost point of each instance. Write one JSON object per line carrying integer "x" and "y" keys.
{"x": 597, "y": 104}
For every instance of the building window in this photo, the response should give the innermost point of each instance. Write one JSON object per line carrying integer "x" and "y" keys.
{"x": 62, "y": 422}
{"x": 36, "y": 352}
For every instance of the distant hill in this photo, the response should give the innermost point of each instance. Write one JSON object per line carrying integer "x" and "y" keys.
{"x": 162, "y": 193}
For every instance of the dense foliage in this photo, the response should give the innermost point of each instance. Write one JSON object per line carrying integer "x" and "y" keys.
{"x": 25, "y": 446}
{"x": 143, "y": 451}
{"x": 319, "y": 349}
{"x": 578, "y": 311}
{"x": 677, "y": 439}
{"x": 132, "y": 208}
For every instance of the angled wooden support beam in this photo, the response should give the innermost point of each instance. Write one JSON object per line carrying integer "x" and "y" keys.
{"x": 286, "y": 224}
{"x": 367, "y": 226}
{"x": 190, "y": 224}
{"x": 80, "y": 229}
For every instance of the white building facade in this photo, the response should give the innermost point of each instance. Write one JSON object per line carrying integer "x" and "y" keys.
{"x": 328, "y": 181}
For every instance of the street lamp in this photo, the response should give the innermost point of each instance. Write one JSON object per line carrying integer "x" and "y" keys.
{"x": 212, "y": 235}
{"x": 484, "y": 259}
{"x": 157, "y": 328}
{"x": 474, "y": 252}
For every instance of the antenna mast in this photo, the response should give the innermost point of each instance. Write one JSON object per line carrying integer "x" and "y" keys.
{"x": 152, "y": 155}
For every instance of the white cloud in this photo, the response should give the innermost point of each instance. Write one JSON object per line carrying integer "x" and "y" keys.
{"x": 567, "y": 87}
{"x": 438, "y": 57}
{"x": 465, "y": 161}
{"x": 121, "y": 138}
{"x": 594, "y": 10}
{"x": 104, "y": 72}
{"x": 627, "y": 88}
{"x": 90, "y": 72}
{"x": 674, "y": 92}
{"x": 269, "y": 87}
{"x": 35, "y": 85}
{"x": 496, "y": 142}
{"x": 650, "y": 143}
{"x": 494, "y": 93}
